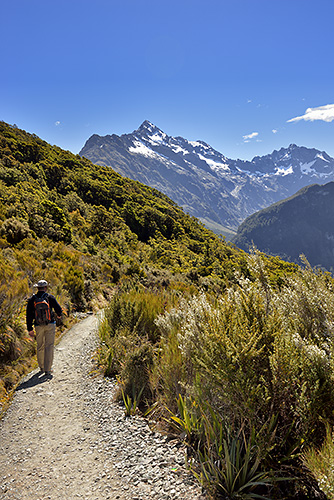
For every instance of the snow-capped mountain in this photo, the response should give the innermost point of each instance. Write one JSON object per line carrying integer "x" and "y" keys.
{"x": 218, "y": 190}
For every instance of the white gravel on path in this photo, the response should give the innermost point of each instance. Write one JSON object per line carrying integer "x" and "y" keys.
{"x": 66, "y": 439}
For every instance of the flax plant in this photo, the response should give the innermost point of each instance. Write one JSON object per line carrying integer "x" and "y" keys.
{"x": 131, "y": 403}
{"x": 188, "y": 421}
{"x": 232, "y": 469}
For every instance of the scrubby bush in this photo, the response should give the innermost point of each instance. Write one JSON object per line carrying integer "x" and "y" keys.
{"x": 135, "y": 311}
{"x": 75, "y": 284}
{"x": 14, "y": 230}
{"x": 136, "y": 373}
{"x": 128, "y": 335}
{"x": 257, "y": 354}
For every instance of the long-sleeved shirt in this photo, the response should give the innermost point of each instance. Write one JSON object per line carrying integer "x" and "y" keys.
{"x": 31, "y": 308}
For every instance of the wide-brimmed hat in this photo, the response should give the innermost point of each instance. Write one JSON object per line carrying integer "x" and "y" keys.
{"x": 42, "y": 284}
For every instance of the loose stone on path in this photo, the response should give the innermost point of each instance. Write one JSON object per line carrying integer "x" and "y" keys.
{"x": 66, "y": 438}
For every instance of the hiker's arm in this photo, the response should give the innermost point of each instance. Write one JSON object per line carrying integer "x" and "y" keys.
{"x": 30, "y": 317}
{"x": 56, "y": 306}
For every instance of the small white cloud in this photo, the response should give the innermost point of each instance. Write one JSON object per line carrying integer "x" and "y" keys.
{"x": 274, "y": 131}
{"x": 250, "y": 136}
{"x": 57, "y": 123}
{"x": 324, "y": 113}
{"x": 249, "y": 100}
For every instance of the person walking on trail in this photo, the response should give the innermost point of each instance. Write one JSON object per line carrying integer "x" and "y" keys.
{"x": 40, "y": 313}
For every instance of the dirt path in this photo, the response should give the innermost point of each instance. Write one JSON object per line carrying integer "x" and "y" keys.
{"x": 63, "y": 438}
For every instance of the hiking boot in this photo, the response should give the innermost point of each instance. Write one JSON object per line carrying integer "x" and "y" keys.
{"x": 48, "y": 374}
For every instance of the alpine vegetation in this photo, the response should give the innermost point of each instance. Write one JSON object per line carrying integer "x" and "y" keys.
{"x": 86, "y": 230}
{"x": 244, "y": 376}
{"x": 228, "y": 351}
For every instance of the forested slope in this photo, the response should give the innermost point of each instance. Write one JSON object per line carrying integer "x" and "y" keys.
{"x": 301, "y": 224}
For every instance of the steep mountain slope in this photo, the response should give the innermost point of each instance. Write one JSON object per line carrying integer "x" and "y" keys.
{"x": 301, "y": 224}
{"x": 46, "y": 192}
{"x": 216, "y": 189}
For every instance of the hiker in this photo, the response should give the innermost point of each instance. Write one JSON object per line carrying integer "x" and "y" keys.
{"x": 40, "y": 312}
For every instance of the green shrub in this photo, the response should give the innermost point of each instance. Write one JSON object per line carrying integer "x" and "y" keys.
{"x": 14, "y": 230}
{"x": 135, "y": 311}
{"x": 250, "y": 355}
{"x": 169, "y": 371}
{"x": 128, "y": 334}
{"x": 112, "y": 350}
{"x": 135, "y": 374}
{"x": 75, "y": 284}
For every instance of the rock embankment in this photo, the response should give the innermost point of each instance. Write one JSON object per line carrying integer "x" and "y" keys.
{"x": 66, "y": 438}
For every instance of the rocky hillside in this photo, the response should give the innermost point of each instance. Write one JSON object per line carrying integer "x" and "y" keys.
{"x": 220, "y": 191}
{"x": 301, "y": 224}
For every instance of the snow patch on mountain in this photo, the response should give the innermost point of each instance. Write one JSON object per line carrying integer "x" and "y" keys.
{"x": 197, "y": 144}
{"x": 235, "y": 192}
{"x": 157, "y": 138}
{"x": 306, "y": 169}
{"x": 284, "y": 171}
{"x": 140, "y": 148}
{"x": 321, "y": 156}
{"x": 177, "y": 149}
{"x": 215, "y": 165}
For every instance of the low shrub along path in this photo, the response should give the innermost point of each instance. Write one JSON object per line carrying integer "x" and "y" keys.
{"x": 66, "y": 438}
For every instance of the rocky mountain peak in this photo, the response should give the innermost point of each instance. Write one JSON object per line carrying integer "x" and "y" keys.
{"x": 147, "y": 128}
{"x": 150, "y": 134}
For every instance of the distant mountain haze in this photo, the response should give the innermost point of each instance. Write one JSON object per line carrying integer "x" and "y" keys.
{"x": 301, "y": 224}
{"x": 221, "y": 192}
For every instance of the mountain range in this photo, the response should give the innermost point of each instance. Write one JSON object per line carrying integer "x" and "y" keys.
{"x": 220, "y": 191}
{"x": 301, "y": 224}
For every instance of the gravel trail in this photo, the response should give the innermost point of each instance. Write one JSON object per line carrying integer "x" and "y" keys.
{"x": 65, "y": 438}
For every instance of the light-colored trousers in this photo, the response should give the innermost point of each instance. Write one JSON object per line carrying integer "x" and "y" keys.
{"x": 45, "y": 338}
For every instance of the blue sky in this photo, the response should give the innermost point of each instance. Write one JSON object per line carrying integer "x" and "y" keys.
{"x": 233, "y": 73}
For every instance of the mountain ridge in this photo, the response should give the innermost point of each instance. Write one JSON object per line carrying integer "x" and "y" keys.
{"x": 216, "y": 189}
{"x": 300, "y": 224}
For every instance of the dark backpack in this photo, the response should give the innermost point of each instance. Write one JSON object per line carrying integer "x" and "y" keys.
{"x": 42, "y": 310}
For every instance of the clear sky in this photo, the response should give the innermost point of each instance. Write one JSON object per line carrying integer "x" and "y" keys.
{"x": 246, "y": 76}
